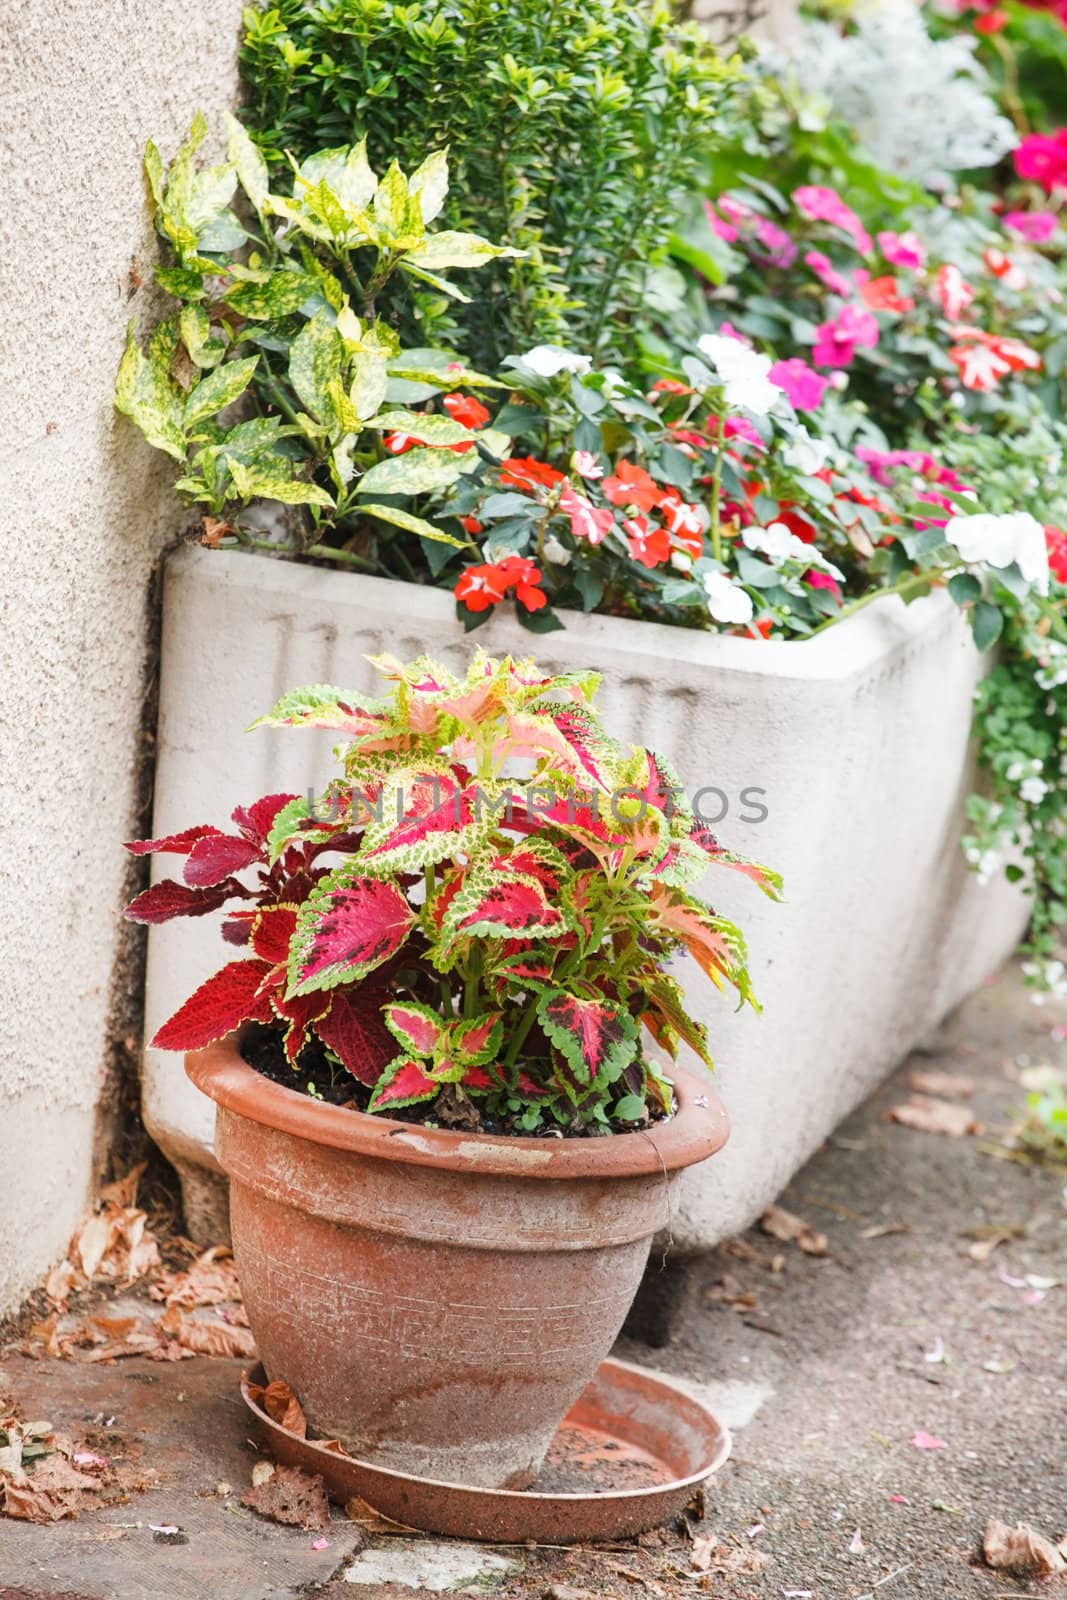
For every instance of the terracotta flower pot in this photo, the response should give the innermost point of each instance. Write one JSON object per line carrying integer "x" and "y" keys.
{"x": 438, "y": 1300}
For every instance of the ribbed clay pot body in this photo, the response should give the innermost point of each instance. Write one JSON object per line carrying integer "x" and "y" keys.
{"x": 437, "y": 1300}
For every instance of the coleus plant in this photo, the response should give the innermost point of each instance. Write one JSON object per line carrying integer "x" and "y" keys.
{"x": 493, "y": 942}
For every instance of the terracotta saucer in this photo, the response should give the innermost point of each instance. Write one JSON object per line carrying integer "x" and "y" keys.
{"x": 626, "y": 1457}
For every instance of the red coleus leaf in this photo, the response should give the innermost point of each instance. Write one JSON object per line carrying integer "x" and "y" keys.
{"x": 510, "y": 906}
{"x": 272, "y": 932}
{"x": 169, "y": 899}
{"x": 414, "y": 1026}
{"x": 404, "y": 1084}
{"x": 216, "y": 856}
{"x": 347, "y": 931}
{"x": 594, "y": 1036}
{"x": 353, "y": 1029}
{"x": 299, "y": 1012}
{"x": 219, "y": 1006}
{"x": 255, "y": 821}
{"x": 178, "y": 844}
{"x": 478, "y": 1080}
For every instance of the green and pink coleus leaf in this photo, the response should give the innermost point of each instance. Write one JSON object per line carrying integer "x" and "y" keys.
{"x": 596, "y": 1037}
{"x": 403, "y": 1083}
{"x": 415, "y": 1027}
{"x": 319, "y": 705}
{"x": 437, "y": 820}
{"x": 476, "y": 1040}
{"x": 232, "y": 996}
{"x": 714, "y": 943}
{"x": 349, "y": 926}
{"x": 504, "y": 906}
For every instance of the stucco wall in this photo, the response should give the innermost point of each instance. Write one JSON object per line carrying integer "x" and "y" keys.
{"x": 86, "y": 512}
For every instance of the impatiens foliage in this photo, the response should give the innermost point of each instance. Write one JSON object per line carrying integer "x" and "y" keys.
{"x": 491, "y": 942}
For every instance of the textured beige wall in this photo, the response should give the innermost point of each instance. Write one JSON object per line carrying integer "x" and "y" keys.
{"x": 86, "y": 511}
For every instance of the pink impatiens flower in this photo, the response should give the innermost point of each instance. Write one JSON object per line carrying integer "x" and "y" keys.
{"x": 587, "y": 521}
{"x": 952, "y": 291}
{"x": 903, "y": 250}
{"x": 837, "y": 341}
{"x": 1043, "y": 158}
{"x": 826, "y": 205}
{"x": 804, "y": 386}
{"x": 781, "y": 251}
{"x": 1036, "y": 226}
{"x": 827, "y": 273}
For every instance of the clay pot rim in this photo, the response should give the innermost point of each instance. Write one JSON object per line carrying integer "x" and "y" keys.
{"x": 696, "y": 1130}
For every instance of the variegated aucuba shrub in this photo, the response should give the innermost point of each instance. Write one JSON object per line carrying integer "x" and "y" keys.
{"x": 492, "y": 944}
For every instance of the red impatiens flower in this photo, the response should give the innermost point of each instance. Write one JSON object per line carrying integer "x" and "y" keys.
{"x": 952, "y": 291}
{"x": 481, "y": 587}
{"x": 588, "y": 522}
{"x": 471, "y": 525}
{"x": 524, "y": 576}
{"x": 632, "y": 486}
{"x": 527, "y": 473}
{"x": 670, "y": 386}
{"x": 680, "y": 516}
{"x": 397, "y": 443}
{"x": 1056, "y": 540}
{"x": 466, "y": 410}
{"x": 1011, "y": 275}
{"x": 649, "y": 545}
{"x": 982, "y": 359}
{"x": 882, "y": 294}
{"x": 486, "y": 585}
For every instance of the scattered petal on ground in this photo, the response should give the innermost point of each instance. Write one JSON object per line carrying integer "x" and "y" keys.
{"x": 937, "y": 1351}
{"x": 926, "y": 1115}
{"x": 782, "y": 1224}
{"x": 928, "y": 1441}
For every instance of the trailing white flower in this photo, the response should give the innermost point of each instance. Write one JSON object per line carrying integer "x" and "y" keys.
{"x": 743, "y": 372}
{"x": 999, "y": 541}
{"x": 1033, "y": 790}
{"x": 806, "y": 454}
{"x": 549, "y": 359}
{"x": 920, "y": 107}
{"x": 726, "y": 602}
{"x": 782, "y": 544}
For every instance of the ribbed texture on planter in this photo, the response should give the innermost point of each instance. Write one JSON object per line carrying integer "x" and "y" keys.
{"x": 858, "y": 740}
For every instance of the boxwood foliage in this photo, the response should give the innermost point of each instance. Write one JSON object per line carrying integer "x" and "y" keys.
{"x": 573, "y": 130}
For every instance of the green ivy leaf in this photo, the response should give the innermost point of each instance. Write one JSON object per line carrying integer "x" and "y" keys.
{"x": 147, "y": 394}
{"x": 416, "y": 472}
{"x": 315, "y": 361}
{"x": 219, "y": 390}
{"x": 413, "y": 524}
{"x": 249, "y": 165}
{"x": 260, "y": 482}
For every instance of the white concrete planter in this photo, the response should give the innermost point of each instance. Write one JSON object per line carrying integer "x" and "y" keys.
{"x": 858, "y": 740}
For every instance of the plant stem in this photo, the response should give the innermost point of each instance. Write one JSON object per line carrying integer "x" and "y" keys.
{"x": 911, "y": 580}
{"x": 326, "y": 553}
{"x": 716, "y": 485}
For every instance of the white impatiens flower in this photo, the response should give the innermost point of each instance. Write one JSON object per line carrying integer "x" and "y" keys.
{"x": 782, "y": 544}
{"x": 549, "y": 359}
{"x": 1033, "y": 791}
{"x": 726, "y": 602}
{"x": 1015, "y": 537}
{"x": 557, "y": 553}
{"x": 743, "y": 372}
{"x": 806, "y": 454}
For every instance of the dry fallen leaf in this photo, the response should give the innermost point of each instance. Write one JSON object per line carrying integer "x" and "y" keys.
{"x": 1021, "y": 1549}
{"x": 291, "y": 1497}
{"x": 935, "y": 1116}
{"x": 949, "y": 1085}
{"x": 282, "y": 1406}
{"x": 782, "y": 1224}
{"x": 703, "y": 1549}
{"x": 370, "y": 1520}
{"x": 211, "y": 1280}
{"x": 206, "y": 1338}
{"x": 262, "y": 1472}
